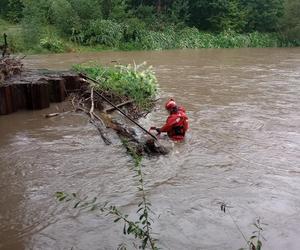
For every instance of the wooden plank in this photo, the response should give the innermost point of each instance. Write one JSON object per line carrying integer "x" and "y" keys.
{"x": 6, "y": 101}
{"x": 3, "y": 109}
{"x": 72, "y": 82}
{"x": 57, "y": 89}
{"x": 38, "y": 95}
{"x": 20, "y": 95}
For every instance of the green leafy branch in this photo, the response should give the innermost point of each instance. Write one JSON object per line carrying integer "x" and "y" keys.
{"x": 144, "y": 209}
{"x": 130, "y": 228}
{"x": 141, "y": 228}
{"x": 254, "y": 242}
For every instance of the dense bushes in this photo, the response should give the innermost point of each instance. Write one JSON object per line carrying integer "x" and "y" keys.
{"x": 124, "y": 24}
{"x": 193, "y": 38}
{"x": 103, "y": 32}
{"x": 106, "y": 34}
{"x": 52, "y": 44}
{"x": 63, "y": 17}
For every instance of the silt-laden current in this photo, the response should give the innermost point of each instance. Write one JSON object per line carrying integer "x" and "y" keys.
{"x": 243, "y": 148}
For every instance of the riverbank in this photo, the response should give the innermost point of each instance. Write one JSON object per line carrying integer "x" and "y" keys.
{"x": 49, "y": 41}
{"x": 123, "y": 83}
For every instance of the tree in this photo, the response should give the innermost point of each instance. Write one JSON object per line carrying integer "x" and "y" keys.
{"x": 119, "y": 11}
{"x": 106, "y": 8}
{"x": 4, "y": 7}
{"x": 179, "y": 12}
{"x": 231, "y": 17}
{"x": 87, "y": 9}
{"x": 217, "y": 15}
{"x": 15, "y": 10}
{"x": 290, "y": 22}
{"x": 11, "y": 10}
{"x": 263, "y": 15}
{"x": 35, "y": 17}
{"x": 64, "y": 17}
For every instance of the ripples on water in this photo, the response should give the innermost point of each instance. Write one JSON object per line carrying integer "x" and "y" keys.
{"x": 242, "y": 148}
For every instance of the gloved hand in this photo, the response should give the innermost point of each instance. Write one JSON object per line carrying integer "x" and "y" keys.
{"x": 155, "y": 128}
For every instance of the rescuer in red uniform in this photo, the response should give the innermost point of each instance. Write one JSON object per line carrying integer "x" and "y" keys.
{"x": 177, "y": 122}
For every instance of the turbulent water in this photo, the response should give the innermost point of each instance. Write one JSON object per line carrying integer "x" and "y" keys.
{"x": 243, "y": 148}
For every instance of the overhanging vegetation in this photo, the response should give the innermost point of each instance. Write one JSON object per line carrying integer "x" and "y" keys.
{"x": 68, "y": 25}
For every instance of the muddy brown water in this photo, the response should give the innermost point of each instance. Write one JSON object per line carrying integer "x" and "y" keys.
{"x": 243, "y": 148}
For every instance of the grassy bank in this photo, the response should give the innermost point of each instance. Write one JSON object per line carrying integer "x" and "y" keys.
{"x": 133, "y": 81}
{"x": 109, "y": 36}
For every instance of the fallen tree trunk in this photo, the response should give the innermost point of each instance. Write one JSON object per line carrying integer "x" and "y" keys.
{"x": 94, "y": 118}
{"x": 141, "y": 146}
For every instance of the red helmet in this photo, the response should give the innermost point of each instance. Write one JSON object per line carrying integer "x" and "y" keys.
{"x": 170, "y": 104}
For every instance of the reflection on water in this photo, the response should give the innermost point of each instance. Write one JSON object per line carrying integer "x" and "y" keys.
{"x": 243, "y": 148}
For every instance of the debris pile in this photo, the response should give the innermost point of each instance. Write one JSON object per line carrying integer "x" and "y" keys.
{"x": 36, "y": 90}
{"x": 9, "y": 67}
{"x": 93, "y": 104}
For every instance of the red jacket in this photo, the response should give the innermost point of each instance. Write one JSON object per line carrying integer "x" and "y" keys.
{"x": 176, "y": 125}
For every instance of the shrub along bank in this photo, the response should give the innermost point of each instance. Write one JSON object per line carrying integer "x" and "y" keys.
{"x": 105, "y": 34}
{"x": 136, "y": 82}
{"x": 68, "y": 25}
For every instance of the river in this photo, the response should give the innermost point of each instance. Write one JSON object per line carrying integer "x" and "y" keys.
{"x": 243, "y": 148}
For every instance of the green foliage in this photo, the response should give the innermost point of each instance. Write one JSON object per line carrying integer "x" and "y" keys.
{"x": 255, "y": 239}
{"x": 193, "y": 38}
{"x": 106, "y": 8}
{"x": 14, "y": 36}
{"x": 263, "y": 15}
{"x": 105, "y": 32}
{"x": 237, "y": 15}
{"x": 133, "y": 28}
{"x": 4, "y": 8}
{"x": 31, "y": 32}
{"x": 131, "y": 81}
{"x": 218, "y": 15}
{"x": 145, "y": 13}
{"x": 14, "y": 13}
{"x": 63, "y": 16}
{"x": 144, "y": 209}
{"x": 157, "y": 40}
{"x": 254, "y": 242}
{"x": 36, "y": 10}
{"x": 139, "y": 229}
{"x": 52, "y": 44}
{"x": 179, "y": 12}
{"x": 35, "y": 18}
{"x": 290, "y": 22}
{"x": 233, "y": 17}
{"x": 16, "y": 42}
{"x": 260, "y": 40}
{"x": 86, "y": 9}
{"x": 135, "y": 24}
{"x": 119, "y": 11}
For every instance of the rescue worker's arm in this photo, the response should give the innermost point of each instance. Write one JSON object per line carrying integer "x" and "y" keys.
{"x": 171, "y": 121}
{"x": 181, "y": 109}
